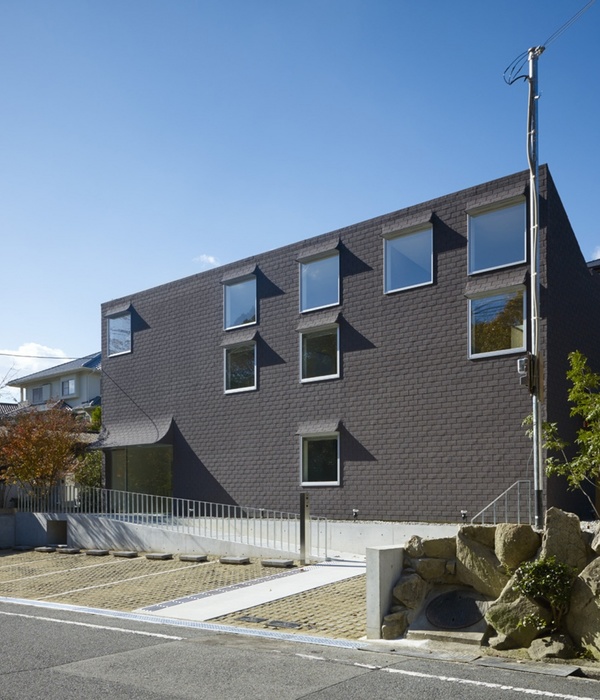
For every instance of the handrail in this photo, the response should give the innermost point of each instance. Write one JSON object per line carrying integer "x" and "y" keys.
{"x": 260, "y": 527}
{"x": 512, "y": 511}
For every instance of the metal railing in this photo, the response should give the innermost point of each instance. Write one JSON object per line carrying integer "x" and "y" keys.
{"x": 259, "y": 527}
{"x": 515, "y": 505}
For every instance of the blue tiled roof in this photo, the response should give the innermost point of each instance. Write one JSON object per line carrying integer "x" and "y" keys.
{"x": 90, "y": 362}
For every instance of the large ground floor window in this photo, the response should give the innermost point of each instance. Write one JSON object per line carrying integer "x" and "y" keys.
{"x": 320, "y": 460}
{"x": 144, "y": 469}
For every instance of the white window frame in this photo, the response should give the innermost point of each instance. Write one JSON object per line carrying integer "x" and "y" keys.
{"x": 232, "y": 283}
{"x": 405, "y": 233}
{"x": 489, "y": 209}
{"x": 314, "y": 259}
{"x": 226, "y": 350}
{"x": 113, "y": 318}
{"x": 506, "y": 351}
{"x": 314, "y": 331}
{"x": 319, "y": 436}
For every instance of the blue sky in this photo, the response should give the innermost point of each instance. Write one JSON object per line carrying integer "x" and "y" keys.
{"x": 147, "y": 140}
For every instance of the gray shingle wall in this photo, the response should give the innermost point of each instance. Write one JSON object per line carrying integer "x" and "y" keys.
{"x": 425, "y": 431}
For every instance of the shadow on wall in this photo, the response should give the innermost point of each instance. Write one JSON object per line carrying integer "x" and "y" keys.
{"x": 191, "y": 478}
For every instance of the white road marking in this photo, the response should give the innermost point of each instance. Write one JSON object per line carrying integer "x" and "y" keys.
{"x": 97, "y": 627}
{"x": 484, "y": 684}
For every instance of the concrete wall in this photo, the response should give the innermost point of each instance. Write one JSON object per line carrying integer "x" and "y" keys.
{"x": 7, "y": 528}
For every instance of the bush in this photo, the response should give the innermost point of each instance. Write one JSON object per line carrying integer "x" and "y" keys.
{"x": 548, "y": 582}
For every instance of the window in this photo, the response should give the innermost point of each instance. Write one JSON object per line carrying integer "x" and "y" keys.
{"x": 320, "y": 460}
{"x": 497, "y": 238}
{"x": 497, "y": 323}
{"x": 119, "y": 334}
{"x": 409, "y": 260}
{"x": 320, "y": 282}
{"x": 240, "y": 367}
{"x": 240, "y": 302}
{"x": 319, "y": 350}
{"x": 40, "y": 394}
{"x": 68, "y": 387}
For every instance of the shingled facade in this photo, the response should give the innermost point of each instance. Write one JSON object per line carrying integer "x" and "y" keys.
{"x": 374, "y": 367}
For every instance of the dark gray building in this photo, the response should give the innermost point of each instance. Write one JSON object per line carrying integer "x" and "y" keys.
{"x": 374, "y": 366}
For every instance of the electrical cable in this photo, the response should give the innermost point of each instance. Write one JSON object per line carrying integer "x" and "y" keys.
{"x": 513, "y": 71}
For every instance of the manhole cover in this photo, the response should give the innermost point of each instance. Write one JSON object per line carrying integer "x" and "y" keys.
{"x": 456, "y": 610}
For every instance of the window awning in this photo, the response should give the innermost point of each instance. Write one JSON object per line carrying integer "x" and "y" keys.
{"x": 134, "y": 433}
{"x": 406, "y": 224}
{"x": 317, "y": 250}
{"x": 235, "y": 337}
{"x": 502, "y": 279}
{"x": 238, "y": 273}
{"x": 316, "y": 427}
{"x": 318, "y": 319}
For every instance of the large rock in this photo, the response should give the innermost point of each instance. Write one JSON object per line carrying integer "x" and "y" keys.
{"x": 515, "y": 544}
{"x": 477, "y": 565}
{"x": 430, "y": 569}
{"x": 484, "y": 534}
{"x": 511, "y": 616}
{"x": 414, "y": 547}
{"x": 557, "y": 646}
{"x": 583, "y": 619}
{"x": 410, "y": 591}
{"x": 563, "y": 539}
{"x": 395, "y": 624}
{"x": 441, "y": 548}
{"x": 595, "y": 544}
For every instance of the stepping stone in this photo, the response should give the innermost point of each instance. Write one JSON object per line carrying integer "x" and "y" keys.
{"x": 46, "y": 550}
{"x": 193, "y": 557}
{"x": 280, "y": 624}
{"x": 278, "y": 563}
{"x": 68, "y": 550}
{"x": 125, "y": 555}
{"x": 161, "y": 556}
{"x": 97, "y": 552}
{"x": 234, "y": 560}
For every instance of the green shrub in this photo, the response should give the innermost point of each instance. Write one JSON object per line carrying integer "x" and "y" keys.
{"x": 548, "y": 582}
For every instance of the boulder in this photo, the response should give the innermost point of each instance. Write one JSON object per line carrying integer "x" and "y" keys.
{"x": 395, "y": 624}
{"x": 595, "y": 543}
{"x": 563, "y": 539}
{"x": 441, "y": 548}
{"x": 557, "y": 646}
{"x": 511, "y": 615}
{"x": 515, "y": 544}
{"x": 583, "y": 619}
{"x": 414, "y": 547}
{"x": 410, "y": 591}
{"x": 477, "y": 565}
{"x": 430, "y": 569}
{"x": 484, "y": 534}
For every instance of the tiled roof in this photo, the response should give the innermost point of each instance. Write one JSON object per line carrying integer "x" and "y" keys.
{"x": 90, "y": 362}
{"x": 6, "y": 408}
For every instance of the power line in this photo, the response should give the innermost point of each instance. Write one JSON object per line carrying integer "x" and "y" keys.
{"x": 37, "y": 357}
{"x": 513, "y": 72}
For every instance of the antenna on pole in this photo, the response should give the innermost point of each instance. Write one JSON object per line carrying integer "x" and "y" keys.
{"x": 536, "y": 373}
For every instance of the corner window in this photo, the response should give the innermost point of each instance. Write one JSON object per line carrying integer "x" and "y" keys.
{"x": 320, "y": 460}
{"x": 320, "y": 282}
{"x": 240, "y": 367}
{"x": 319, "y": 354}
{"x": 497, "y": 237}
{"x": 240, "y": 302}
{"x": 119, "y": 334}
{"x": 68, "y": 387}
{"x": 497, "y": 323}
{"x": 409, "y": 260}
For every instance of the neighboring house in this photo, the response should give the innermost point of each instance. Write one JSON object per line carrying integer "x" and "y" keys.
{"x": 7, "y": 408}
{"x": 76, "y": 384}
{"x": 374, "y": 367}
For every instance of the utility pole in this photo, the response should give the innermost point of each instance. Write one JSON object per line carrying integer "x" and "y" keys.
{"x": 536, "y": 365}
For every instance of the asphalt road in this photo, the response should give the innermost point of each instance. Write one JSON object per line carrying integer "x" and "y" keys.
{"x": 54, "y": 654}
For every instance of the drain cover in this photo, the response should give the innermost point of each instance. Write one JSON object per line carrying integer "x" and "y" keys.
{"x": 456, "y": 610}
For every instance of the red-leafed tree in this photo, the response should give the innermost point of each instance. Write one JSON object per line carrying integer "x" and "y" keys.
{"x": 38, "y": 448}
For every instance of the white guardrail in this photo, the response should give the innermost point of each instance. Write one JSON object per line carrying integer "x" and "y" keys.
{"x": 260, "y": 527}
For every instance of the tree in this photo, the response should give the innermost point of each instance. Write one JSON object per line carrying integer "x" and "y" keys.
{"x": 584, "y": 395}
{"x": 88, "y": 470}
{"x": 38, "y": 448}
